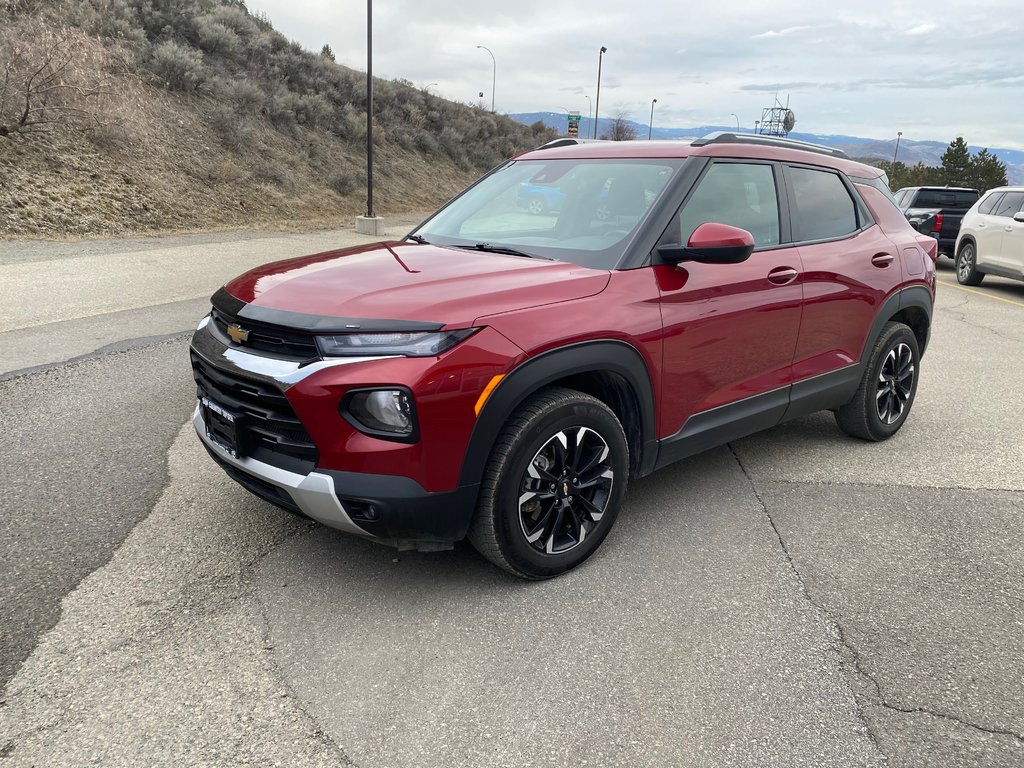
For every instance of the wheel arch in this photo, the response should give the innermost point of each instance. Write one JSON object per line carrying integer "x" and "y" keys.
{"x": 609, "y": 370}
{"x": 911, "y": 306}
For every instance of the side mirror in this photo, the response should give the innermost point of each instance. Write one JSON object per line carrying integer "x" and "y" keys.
{"x": 711, "y": 243}
{"x": 1019, "y": 216}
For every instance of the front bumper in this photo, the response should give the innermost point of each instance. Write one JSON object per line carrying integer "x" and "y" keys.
{"x": 390, "y": 509}
{"x": 312, "y": 494}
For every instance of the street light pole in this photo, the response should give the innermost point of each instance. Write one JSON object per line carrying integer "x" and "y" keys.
{"x": 896, "y": 151}
{"x": 590, "y": 112}
{"x": 494, "y": 74}
{"x": 597, "y": 97}
{"x": 369, "y": 109}
{"x": 737, "y": 121}
{"x": 650, "y": 126}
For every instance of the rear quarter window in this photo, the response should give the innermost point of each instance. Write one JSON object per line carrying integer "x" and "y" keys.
{"x": 990, "y": 202}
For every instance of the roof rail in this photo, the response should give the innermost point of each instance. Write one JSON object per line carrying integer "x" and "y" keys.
{"x": 563, "y": 142}
{"x": 728, "y": 137}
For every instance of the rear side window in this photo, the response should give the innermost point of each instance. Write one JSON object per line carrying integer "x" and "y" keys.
{"x": 1010, "y": 204}
{"x": 989, "y": 203}
{"x": 822, "y": 206}
{"x": 966, "y": 199}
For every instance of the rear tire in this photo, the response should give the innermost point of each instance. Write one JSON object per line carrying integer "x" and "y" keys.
{"x": 967, "y": 265}
{"x": 536, "y": 206}
{"x": 887, "y": 390}
{"x": 553, "y": 486}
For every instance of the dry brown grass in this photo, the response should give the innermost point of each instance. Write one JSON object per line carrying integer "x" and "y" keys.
{"x": 155, "y": 160}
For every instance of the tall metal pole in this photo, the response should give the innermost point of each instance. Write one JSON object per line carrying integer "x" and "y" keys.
{"x": 737, "y": 121}
{"x": 896, "y": 151}
{"x": 590, "y": 112}
{"x": 369, "y": 109}
{"x": 650, "y": 126}
{"x": 494, "y": 74}
{"x": 597, "y": 97}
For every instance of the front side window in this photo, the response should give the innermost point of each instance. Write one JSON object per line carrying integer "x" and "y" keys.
{"x": 583, "y": 211}
{"x": 822, "y": 206}
{"x": 739, "y": 194}
{"x": 1010, "y": 204}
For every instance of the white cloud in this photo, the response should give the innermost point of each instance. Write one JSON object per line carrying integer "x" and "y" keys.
{"x": 782, "y": 32}
{"x": 920, "y": 29}
{"x": 867, "y": 70}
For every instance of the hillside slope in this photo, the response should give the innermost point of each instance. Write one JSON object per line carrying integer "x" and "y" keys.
{"x": 151, "y": 115}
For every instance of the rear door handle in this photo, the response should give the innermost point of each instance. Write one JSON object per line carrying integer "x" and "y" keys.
{"x": 782, "y": 275}
{"x": 1008, "y": 229}
{"x": 882, "y": 259}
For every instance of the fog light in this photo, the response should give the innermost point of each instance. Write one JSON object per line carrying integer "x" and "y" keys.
{"x": 382, "y": 413}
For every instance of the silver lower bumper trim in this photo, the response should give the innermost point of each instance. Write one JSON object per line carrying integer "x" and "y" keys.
{"x": 312, "y": 493}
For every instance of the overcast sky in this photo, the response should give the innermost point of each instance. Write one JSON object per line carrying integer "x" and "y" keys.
{"x": 932, "y": 70}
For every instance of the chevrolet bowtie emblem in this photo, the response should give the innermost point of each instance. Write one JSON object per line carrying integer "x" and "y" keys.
{"x": 238, "y": 334}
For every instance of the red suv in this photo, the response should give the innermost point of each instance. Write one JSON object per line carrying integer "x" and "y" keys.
{"x": 499, "y": 375}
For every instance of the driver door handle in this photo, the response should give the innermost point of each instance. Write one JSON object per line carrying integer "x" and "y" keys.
{"x": 782, "y": 275}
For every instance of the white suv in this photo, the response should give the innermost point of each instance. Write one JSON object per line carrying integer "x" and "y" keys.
{"x": 991, "y": 240}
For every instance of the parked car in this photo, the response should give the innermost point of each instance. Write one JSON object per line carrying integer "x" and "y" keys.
{"x": 502, "y": 378}
{"x": 937, "y": 211}
{"x": 539, "y": 198}
{"x": 991, "y": 238}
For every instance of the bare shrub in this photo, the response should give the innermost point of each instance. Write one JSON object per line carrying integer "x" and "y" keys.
{"x": 234, "y": 131}
{"x": 273, "y": 172}
{"x": 180, "y": 68}
{"x": 48, "y": 79}
{"x": 344, "y": 184}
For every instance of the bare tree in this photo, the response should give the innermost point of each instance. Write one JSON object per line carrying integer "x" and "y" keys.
{"x": 621, "y": 129}
{"x": 43, "y": 83}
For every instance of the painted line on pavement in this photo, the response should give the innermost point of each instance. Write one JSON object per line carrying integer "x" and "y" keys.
{"x": 982, "y": 293}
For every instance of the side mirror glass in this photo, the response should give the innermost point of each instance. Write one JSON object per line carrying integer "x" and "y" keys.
{"x": 1019, "y": 216}
{"x": 711, "y": 243}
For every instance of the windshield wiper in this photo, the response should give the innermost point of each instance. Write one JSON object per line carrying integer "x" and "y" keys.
{"x": 418, "y": 239}
{"x": 504, "y": 249}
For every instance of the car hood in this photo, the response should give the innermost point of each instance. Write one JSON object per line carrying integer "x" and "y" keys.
{"x": 414, "y": 282}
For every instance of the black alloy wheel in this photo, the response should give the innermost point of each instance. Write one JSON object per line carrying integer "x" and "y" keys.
{"x": 896, "y": 381}
{"x": 887, "y": 388}
{"x": 553, "y": 485}
{"x": 565, "y": 490}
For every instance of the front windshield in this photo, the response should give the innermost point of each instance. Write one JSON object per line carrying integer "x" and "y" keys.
{"x": 582, "y": 211}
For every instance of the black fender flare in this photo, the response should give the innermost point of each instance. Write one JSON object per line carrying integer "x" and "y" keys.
{"x": 914, "y": 296}
{"x": 605, "y": 355}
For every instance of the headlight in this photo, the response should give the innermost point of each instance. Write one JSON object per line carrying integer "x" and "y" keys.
{"x": 387, "y": 413}
{"x": 414, "y": 344}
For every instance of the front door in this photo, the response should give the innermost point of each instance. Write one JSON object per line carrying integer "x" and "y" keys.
{"x": 730, "y": 329}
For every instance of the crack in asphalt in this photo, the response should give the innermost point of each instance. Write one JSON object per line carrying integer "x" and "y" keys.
{"x": 883, "y": 700}
{"x": 830, "y": 619}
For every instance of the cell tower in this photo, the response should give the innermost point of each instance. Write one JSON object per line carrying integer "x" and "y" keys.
{"x": 777, "y": 120}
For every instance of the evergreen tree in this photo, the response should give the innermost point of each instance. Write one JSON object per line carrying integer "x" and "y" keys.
{"x": 956, "y": 163}
{"x": 987, "y": 171}
{"x": 326, "y": 52}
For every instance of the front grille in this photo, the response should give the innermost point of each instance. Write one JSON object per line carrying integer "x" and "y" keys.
{"x": 274, "y": 433}
{"x": 280, "y": 342}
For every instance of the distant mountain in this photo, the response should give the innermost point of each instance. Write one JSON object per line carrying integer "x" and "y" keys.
{"x": 910, "y": 152}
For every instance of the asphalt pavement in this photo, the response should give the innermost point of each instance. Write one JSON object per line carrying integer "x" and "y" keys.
{"x": 797, "y": 598}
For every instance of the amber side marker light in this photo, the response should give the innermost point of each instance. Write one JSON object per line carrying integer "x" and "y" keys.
{"x": 487, "y": 393}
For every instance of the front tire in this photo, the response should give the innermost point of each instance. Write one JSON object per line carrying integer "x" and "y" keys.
{"x": 967, "y": 265}
{"x": 553, "y": 486}
{"x": 887, "y": 391}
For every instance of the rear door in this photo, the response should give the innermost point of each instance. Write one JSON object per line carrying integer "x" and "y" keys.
{"x": 850, "y": 267}
{"x": 986, "y": 229}
{"x": 1005, "y": 233}
{"x": 1012, "y": 248}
